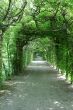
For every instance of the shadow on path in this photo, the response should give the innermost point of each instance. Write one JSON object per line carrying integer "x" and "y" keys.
{"x": 41, "y": 89}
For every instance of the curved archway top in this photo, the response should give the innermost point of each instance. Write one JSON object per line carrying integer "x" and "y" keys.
{"x": 27, "y": 34}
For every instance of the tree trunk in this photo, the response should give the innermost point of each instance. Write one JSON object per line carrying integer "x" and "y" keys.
{"x": 0, "y": 59}
{"x": 17, "y": 62}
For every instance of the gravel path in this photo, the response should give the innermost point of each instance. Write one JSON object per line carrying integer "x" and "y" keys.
{"x": 40, "y": 89}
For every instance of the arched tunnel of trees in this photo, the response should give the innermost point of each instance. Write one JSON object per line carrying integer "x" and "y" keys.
{"x": 35, "y": 27}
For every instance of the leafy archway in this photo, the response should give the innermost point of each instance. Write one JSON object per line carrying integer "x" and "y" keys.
{"x": 40, "y": 19}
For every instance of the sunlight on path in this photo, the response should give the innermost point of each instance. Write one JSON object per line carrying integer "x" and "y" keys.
{"x": 40, "y": 89}
{"x": 42, "y": 65}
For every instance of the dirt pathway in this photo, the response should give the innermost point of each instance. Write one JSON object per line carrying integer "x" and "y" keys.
{"x": 40, "y": 89}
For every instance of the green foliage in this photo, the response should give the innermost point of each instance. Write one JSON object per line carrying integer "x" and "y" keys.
{"x": 44, "y": 27}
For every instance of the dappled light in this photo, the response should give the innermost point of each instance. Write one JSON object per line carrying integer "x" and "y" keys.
{"x": 36, "y": 54}
{"x": 61, "y": 77}
{"x": 40, "y": 89}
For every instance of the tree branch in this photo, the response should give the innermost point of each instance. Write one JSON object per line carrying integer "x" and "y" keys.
{"x": 7, "y": 12}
